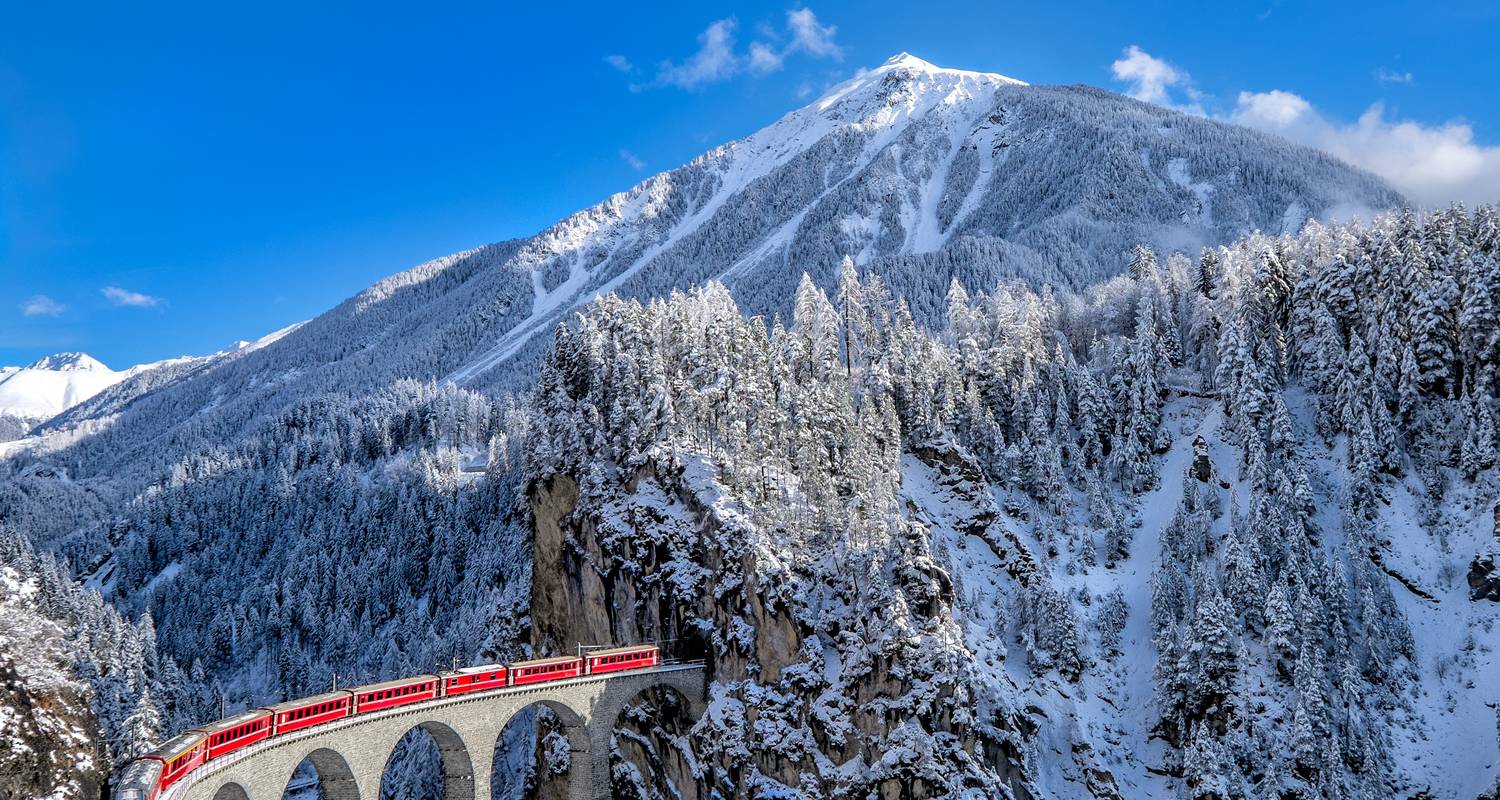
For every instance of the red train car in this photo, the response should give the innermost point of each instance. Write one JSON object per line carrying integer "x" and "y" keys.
{"x": 229, "y": 735}
{"x": 309, "y": 711}
{"x": 545, "y": 669}
{"x": 620, "y": 658}
{"x": 177, "y": 757}
{"x": 140, "y": 780}
{"x": 474, "y": 679}
{"x": 390, "y": 694}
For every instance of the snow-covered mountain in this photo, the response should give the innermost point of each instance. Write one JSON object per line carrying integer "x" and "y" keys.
{"x": 915, "y": 537}
{"x": 923, "y": 175}
{"x": 42, "y": 390}
{"x": 54, "y": 384}
{"x": 910, "y": 167}
{"x": 39, "y": 392}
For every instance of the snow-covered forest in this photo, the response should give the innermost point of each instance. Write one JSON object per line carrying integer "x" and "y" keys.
{"x": 1339, "y": 374}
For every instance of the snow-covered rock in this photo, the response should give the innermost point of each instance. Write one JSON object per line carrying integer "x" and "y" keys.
{"x": 49, "y": 748}
{"x": 1484, "y": 574}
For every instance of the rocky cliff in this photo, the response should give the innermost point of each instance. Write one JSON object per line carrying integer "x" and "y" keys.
{"x": 805, "y": 695}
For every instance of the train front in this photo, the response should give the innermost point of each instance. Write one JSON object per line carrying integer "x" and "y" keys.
{"x": 139, "y": 780}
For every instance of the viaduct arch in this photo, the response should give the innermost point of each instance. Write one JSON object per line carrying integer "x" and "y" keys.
{"x": 350, "y": 755}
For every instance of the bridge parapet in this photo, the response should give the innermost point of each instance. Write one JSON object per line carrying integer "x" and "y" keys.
{"x": 351, "y": 755}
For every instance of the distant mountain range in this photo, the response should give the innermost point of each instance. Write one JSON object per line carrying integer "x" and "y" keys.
{"x": 42, "y": 390}
{"x": 33, "y": 394}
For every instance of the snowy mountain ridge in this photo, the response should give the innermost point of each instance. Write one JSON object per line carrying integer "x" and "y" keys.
{"x": 67, "y": 362}
{"x": 922, "y": 175}
{"x": 54, "y": 384}
{"x": 886, "y": 142}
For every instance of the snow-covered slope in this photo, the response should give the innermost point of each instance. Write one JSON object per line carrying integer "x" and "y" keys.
{"x": 904, "y": 160}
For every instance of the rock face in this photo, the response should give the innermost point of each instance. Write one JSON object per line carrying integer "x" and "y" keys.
{"x": 667, "y": 560}
{"x": 1484, "y": 575}
{"x": 47, "y": 732}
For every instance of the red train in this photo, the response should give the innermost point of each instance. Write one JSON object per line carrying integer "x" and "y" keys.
{"x": 147, "y": 777}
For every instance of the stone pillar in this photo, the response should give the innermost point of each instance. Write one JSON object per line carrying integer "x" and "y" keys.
{"x": 367, "y": 785}
{"x": 595, "y": 763}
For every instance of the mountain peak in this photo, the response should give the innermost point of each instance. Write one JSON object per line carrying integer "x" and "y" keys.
{"x": 70, "y": 362}
{"x": 907, "y": 60}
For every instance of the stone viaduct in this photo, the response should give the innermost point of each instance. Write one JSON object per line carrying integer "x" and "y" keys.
{"x": 351, "y": 755}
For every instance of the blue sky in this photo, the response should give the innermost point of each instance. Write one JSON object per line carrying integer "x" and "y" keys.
{"x": 176, "y": 177}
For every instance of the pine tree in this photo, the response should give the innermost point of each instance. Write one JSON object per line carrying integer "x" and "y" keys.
{"x": 1281, "y": 629}
{"x": 1208, "y": 272}
{"x": 1435, "y": 333}
{"x": 1206, "y": 766}
{"x": 1142, "y": 264}
{"x": 141, "y": 730}
{"x": 1244, "y": 581}
{"x": 1210, "y": 658}
{"x": 1477, "y": 451}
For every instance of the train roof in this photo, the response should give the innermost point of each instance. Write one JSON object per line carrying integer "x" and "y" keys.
{"x": 614, "y": 651}
{"x": 140, "y": 774}
{"x": 176, "y": 746}
{"x": 291, "y": 705}
{"x": 236, "y": 720}
{"x": 375, "y": 687}
{"x": 473, "y": 670}
{"x": 537, "y": 662}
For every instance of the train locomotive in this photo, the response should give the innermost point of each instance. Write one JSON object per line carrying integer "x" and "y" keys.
{"x": 148, "y": 776}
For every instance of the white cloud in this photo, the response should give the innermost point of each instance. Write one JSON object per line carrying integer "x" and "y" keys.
{"x": 1149, "y": 77}
{"x": 125, "y": 297}
{"x": 42, "y": 306}
{"x": 764, "y": 59}
{"x": 717, "y": 58}
{"x": 714, "y": 61}
{"x": 1434, "y": 165}
{"x": 811, "y": 36}
{"x": 1273, "y": 109}
{"x": 1387, "y": 76}
{"x": 632, "y": 160}
{"x": 620, "y": 63}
